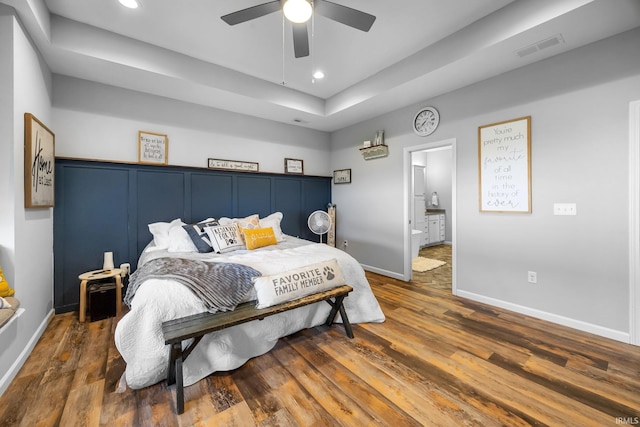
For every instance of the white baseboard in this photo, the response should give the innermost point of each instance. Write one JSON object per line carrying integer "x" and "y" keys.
{"x": 383, "y": 272}
{"x": 17, "y": 364}
{"x": 550, "y": 317}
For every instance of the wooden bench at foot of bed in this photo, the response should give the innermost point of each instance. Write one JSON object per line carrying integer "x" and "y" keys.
{"x": 198, "y": 325}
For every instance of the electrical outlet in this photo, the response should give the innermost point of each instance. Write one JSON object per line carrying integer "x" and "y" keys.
{"x": 346, "y": 243}
{"x": 532, "y": 277}
{"x": 565, "y": 209}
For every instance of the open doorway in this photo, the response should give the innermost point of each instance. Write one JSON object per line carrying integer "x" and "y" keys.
{"x": 436, "y": 197}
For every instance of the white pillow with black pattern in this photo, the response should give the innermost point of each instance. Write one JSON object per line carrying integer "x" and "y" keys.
{"x": 225, "y": 238}
{"x": 199, "y": 236}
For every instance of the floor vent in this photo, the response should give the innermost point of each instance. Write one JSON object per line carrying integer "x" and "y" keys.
{"x": 542, "y": 44}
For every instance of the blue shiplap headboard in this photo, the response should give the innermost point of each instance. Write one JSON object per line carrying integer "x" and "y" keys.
{"x": 102, "y": 206}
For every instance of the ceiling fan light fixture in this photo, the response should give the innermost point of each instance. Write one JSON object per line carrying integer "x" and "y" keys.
{"x": 297, "y": 11}
{"x": 131, "y": 4}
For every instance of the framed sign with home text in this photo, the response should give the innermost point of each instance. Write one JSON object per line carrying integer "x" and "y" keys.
{"x": 39, "y": 168}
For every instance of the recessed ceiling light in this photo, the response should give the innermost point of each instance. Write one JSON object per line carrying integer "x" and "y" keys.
{"x": 131, "y": 4}
{"x": 318, "y": 75}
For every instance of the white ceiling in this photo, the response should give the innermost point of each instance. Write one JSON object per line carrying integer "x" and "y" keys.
{"x": 416, "y": 49}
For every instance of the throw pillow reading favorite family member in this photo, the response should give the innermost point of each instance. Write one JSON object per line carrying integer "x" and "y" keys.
{"x": 294, "y": 284}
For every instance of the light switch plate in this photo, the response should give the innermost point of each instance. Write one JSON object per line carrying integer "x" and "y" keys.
{"x": 565, "y": 209}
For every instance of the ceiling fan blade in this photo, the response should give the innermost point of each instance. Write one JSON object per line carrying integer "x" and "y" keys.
{"x": 345, "y": 15}
{"x": 250, "y": 13}
{"x": 300, "y": 40}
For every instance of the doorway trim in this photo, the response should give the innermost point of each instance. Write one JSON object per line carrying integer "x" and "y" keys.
{"x": 408, "y": 171}
{"x": 634, "y": 222}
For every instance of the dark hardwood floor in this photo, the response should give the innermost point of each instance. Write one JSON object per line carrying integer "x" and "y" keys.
{"x": 438, "y": 360}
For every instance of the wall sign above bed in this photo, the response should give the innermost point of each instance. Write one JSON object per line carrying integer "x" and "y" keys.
{"x": 232, "y": 165}
{"x": 153, "y": 148}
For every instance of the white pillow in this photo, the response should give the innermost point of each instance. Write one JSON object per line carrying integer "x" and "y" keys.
{"x": 294, "y": 284}
{"x": 273, "y": 221}
{"x": 180, "y": 241}
{"x": 160, "y": 232}
{"x": 225, "y": 238}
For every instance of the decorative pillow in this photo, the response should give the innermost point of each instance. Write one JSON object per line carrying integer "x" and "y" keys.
{"x": 4, "y": 303}
{"x": 199, "y": 236}
{"x": 160, "y": 232}
{"x": 252, "y": 221}
{"x": 259, "y": 237}
{"x": 225, "y": 238}
{"x": 5, "y": 290}
{"x": 180, "y": 241}
{"x": 294, "y": 284}
{"x": 273, "y": 221}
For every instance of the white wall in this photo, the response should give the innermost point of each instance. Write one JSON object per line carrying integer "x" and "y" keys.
{"x": 27, "y": 234}
{"x": 579, "y": 105}
{"x": 96, "y": 121}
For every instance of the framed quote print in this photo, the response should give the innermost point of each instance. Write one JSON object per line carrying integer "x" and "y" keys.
{"x": 504, "y": 164}
{"x": 153, "y": 148}
{"x": 39, "y": 168}
{"x": 293, "y": 166}
{"x": 342, "y": 176}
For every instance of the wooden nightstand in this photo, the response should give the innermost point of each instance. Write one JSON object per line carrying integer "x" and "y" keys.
{"x": 90, "y": 276}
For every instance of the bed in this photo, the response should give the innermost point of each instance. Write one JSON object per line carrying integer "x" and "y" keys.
{"x": 138, "y": 334}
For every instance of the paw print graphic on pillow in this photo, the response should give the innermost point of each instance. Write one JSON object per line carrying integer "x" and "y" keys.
{"x": 328, "y": 273}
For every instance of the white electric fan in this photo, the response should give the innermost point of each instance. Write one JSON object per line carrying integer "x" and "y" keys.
{"x": 319, "y": 223}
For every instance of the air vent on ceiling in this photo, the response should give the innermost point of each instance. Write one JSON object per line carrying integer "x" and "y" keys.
{"x": 542, "y": 44}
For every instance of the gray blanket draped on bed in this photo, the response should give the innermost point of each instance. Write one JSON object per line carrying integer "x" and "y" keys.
{"x": 220, "y": 285}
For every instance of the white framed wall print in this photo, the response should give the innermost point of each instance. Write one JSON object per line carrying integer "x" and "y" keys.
{"x": 504, "y": 166}
{"x": 153, "y": 148}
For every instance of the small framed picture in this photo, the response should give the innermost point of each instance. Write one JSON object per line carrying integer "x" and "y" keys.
{"x": 153, "y": 148}
{"x": 342, "y": 176}
{"x": 293, "y": 166}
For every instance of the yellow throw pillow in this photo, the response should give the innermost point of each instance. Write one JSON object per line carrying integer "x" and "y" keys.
{"x": 5, "y": 290}
{"x": 259, "y": 237}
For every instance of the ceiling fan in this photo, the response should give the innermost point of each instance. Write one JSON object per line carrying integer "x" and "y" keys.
{"x": 343, "y": 14}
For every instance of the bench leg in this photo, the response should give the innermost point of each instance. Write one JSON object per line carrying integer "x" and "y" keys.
{"x": 335, "y": 307}
{"x": 173, "y": 355}
{"x": 176, "y": 358}
{"x": 345, "y": 321}
{"x": 174, "y": 376}
{"x": 179, "y": 387}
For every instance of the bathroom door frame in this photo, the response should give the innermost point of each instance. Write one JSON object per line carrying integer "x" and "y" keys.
{"x": 408, "y": 198}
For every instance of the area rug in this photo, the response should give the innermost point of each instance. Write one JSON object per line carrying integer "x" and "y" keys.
{"x": 422, "y": 264}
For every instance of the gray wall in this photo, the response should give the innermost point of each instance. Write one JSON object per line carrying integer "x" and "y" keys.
{"x": 96, "y": 121}
{"x": 579, "y": 104}
{"x": 26, "y": 235}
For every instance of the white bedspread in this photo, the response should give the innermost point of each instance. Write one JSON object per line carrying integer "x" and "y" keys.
{"x": 139, "y": 338}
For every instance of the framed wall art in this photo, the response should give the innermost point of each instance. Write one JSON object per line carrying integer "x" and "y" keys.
{"x": 504, "y": 165}
{"x": 153, "y": 148}
{"x": 293, "y": 166}
{"x": 39, "y": 168}
{"x": 342, "y": 176}
{"x": 232, "y": 165}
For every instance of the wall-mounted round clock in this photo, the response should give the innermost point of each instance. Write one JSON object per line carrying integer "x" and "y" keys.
{"x": 426, "y": 121}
